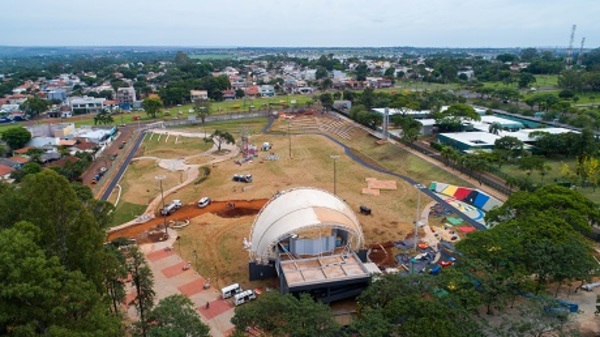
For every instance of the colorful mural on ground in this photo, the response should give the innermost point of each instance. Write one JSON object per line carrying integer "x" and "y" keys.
{"x": 471, "y": 202}
{"x": 467, "y": 195}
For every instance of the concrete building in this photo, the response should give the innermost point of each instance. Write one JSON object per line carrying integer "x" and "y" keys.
{"x": 198, "y": 95}
{"x": 86, "y": 105}
{"x": 126, "y": 97}
{"x": 60, "y": 130}
{"x": 267, "y": 91}
{"x": 57, "y": 94}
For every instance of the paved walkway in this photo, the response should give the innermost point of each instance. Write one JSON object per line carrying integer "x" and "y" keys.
{"x": 170, "y": 278}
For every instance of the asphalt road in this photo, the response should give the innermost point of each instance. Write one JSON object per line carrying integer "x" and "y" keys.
{"x": 123, "y": 167}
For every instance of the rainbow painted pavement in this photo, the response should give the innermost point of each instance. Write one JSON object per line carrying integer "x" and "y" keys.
{"x": 474, "y": 203}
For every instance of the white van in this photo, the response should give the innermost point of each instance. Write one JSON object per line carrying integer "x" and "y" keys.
{"x": 231, "y": 290}
{"x": 244, "y": 297}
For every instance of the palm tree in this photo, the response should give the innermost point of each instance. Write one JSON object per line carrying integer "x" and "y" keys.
{"x": 495, "y": 128}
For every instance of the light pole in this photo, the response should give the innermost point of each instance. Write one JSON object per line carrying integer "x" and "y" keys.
{"x": 334, "y": 157}
{"x": 418, "y": 215}
{"x": 289, "y": 138}
{"x": 195, "y": 260}
{"x": 160, "y": 178}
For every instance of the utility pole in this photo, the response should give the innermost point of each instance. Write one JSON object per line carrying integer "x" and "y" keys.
{"x": 289, "y": 138}
{"x": 334, "y": 157}
{"x": 418, "y": 217}
{"x": 160, "y": 178}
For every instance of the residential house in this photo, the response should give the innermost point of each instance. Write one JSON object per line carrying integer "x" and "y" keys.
{"x": 338, "y": 74}
{"x": 57, "y": 94}
{"x": 85, "y": 105}
{"x": 252, "y": 91}
{"x": 309, "y": 75}
{"x": 198, "y": 95}
{"x": 9, "y": 162}
{"x": 267, "y": 91}
{"x": 5, "y": 172}
{"x": 228, "y": 94}
{"x": 126, "y": 97}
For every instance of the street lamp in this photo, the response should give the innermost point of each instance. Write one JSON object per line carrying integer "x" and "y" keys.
{"x": 290, "y": 138}
{"x": 418, "y": 222}
{"x": 160, "y": 178}
{"x": 195, "y": 260}
{"x": 334, "y": 157}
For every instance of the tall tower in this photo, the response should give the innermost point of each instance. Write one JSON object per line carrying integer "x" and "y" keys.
{"x": 569, "y": 59}
{"x": 580, "y": 56}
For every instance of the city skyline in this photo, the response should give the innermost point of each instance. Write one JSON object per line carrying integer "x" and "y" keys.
{"x": 310, "y": 23}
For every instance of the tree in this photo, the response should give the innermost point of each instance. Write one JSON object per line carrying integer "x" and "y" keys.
{"x": 453, "y": 117}
{"x": 569, "y": 205}
{"x": 321, "y": 73}
{"x": 239, "y": 93}
{"x": 510, "y": 144}
{"x": 143, "y": 281}
{"x": 69, "y": 230}
{"x": 151, "y": 105}
{"x": 389, "y": 72}
{"x": 16, "y": 137}
{"x": 27, "y": 169}
{"x": 419, "y": 305}
{"x": 103, "y": 117}
{"x": 176, "y": 316}
{"x": 410, "y": 127}
{"x": 222, "y": 137}
{"x": 326, "y": 100}
{"x": 361, "y": 72}
{"x": 495, "y": 128}
{"x": 33, "y": 106}
{"x": 203, "y": 108}
{"x": 286, "y": 316}
{"x": 526, "y": 79}
{"x": 181, "y": 59}
{"x": 40, "y": 297}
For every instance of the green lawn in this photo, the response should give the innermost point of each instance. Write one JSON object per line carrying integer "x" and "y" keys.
{"x": 252, "y": 125}
{"x": 126, "y": 211}
{"x": 4, "y": 127}
{"x": 551, "y": 176}
{"x": 167, "y": 148}
{"x": 546, "y": 81}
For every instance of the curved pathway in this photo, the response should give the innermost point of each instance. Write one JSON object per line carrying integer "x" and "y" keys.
{"x": 191, "y": 175}
{"x": 409, "y": 180}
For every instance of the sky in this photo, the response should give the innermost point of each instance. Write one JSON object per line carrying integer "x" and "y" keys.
{"x": 299, "y": 23}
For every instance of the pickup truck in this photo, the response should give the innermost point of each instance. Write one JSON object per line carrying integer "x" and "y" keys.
{"x": 171, "y": 208}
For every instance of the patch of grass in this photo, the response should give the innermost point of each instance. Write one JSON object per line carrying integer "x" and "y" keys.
{"x": 234, "y": 127}
{"x": 553, "y": 175}
{"x": 4, "y": 127}
{"x": 204, "y": 173}
{"x": 127, "y": 211}
{"x": 168, "y": 149}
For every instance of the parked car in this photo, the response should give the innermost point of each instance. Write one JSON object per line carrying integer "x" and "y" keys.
{"x": 244, "y": 178}
{"x": 103, "y": 169}
{"x": 205, "y": 201}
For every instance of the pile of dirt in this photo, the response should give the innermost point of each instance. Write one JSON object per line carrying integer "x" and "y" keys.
{"x": 382, "y": 254}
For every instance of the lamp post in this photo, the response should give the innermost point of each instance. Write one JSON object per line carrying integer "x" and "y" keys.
{"x": 418, "y": 222}
{"x": 195, "y": 260}
{"x": 334, "y": 157}
{"x": 289, "y": 138}
{"x": 160, "y": 178}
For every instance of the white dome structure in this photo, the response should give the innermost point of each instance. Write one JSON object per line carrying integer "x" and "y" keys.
{"x": 296, "y": 210}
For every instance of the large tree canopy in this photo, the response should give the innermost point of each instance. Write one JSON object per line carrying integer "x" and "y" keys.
{"x": 16, "y": 138}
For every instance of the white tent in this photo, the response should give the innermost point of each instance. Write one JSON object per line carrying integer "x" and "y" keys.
{"x": 300, "y": 209}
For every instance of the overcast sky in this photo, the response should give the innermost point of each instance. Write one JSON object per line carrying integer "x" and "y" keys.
{"x": 292, "y": 23}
